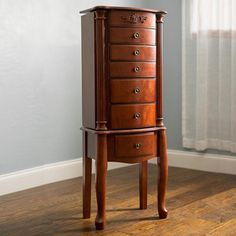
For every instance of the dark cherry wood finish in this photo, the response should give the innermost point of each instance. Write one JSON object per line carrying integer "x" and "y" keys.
{"x": 133, "y": 145}
{"x": 132, "y": 69}
{"x": 122, "y": 99}
{"x": 132, "y": 36}
{"x": 101, "y": 172}
{"x": 88, "y": 83}
{"x": 130, "y": 9}
{"x": 87, "y": 180}
{"x": 143, "y": 174}
{"x": 132, "y": 53}
{"x": 132, "y": 19}
{"x": 163, "y": 178}
{"x": 133, "y": 90}
{"x": 133, "y": 116}
{"x": 128, "y": 142}
{"x": 159, "y": 66}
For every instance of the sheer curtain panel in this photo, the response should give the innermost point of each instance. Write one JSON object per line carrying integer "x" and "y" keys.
{"x": 209, "y": 74}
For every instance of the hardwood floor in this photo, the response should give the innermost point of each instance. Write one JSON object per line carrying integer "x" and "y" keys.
{"x": 199, "y": 203}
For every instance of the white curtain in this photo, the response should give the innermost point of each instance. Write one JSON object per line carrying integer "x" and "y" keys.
{"x": 209, "y": 74}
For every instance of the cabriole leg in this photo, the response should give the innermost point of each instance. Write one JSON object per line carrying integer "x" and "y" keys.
{"x": 163, "y": 176}
{"x": 101, "y": 173}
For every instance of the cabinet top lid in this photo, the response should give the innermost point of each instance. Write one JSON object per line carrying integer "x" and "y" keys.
{"x": 123, "y": 8}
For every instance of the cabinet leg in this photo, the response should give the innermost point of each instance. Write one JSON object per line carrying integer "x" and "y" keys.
{"x": 163, "y": 176}
{"x": 87, "y": 177}
{"x": 101, "y": 173}
{"x": 143, "y": 185}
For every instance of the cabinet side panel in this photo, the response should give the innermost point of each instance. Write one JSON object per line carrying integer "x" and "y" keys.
{"x": 88, "y": 71}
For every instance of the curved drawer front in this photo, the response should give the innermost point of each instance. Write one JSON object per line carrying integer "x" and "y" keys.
{"x": 133, "y": 36}
{"x": 132, "y": 19}
{"x": 133, "y": 145}
{"x": 133, "y": 116}
{"x": 133, "y": 90}
{"x": 133, "y": 69}
{"x": 132, "y": 53}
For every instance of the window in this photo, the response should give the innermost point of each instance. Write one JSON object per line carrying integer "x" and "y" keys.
{"x": 209, "y": 74}
{"x": 213, "y": 16}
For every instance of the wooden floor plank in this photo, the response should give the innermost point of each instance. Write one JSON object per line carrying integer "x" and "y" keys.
{"x": 199, "y": 203}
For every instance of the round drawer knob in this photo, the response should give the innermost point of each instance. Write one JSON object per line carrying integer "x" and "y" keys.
{"x": 136, "y": 35}
{"x": 136, "y": 52}
{"x": 137, "y": 69}
{"x": 137, "y": 115}
{"x": 136, "y": 90}
{"x": 137, "y": 145}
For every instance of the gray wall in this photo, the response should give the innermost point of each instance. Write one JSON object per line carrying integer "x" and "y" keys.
{"x": 40, "y": 81}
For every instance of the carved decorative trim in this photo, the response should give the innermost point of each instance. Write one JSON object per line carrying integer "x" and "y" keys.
{"x": 100, "y": 15}
{"x": 134, "y": 19}
{"x": 159, "y": 18}
{"x": 101, "y": 125}
{"x": 100, "y": 18}
{"x": 100, "y": 69}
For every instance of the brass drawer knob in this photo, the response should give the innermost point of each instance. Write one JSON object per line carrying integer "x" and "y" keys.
{"x": 137, "y": 52}
{"x": 136, "y": 90}
{"x": 137, "y": 115}
{"x": 136, "y": 35}
{"x": 137, "y": 145}
{"x": 137, "y": 69}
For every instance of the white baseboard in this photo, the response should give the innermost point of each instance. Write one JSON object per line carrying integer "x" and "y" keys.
{"x": 34, "y": 177}
{"x": 202, "y": 161}
{"x": 46, "y": 174}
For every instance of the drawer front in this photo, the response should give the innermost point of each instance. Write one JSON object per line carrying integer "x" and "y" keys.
{"x": 133, "y": 69}
{"x": 134, "y": 145}
{"x": 132, "y": 19}
{"x": 133, "y": 90}
{"x": 133, "y": 36}
{"x": 133, "y": 116}
{"x": 132, "y": 53}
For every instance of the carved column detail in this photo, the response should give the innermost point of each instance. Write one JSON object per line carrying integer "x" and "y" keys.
{"x": 159, "y": 66}
{"x": 100, "y": 71}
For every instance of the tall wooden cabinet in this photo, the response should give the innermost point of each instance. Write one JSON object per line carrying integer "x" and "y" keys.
{"x": 122, "y": 99}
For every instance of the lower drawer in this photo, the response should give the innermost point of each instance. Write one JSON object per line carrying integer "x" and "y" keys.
{"x": 133, "y": 116}
{"x": 128, "y": 147}
{"x": 135, "y": 145}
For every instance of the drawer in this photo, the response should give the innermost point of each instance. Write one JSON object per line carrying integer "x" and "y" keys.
{"x": 132, "y": 53}
{"x": 132, "y": 19}
{"x": 133, "y": 145}
{"x": 133, "y": 69}
{"x": 133, "y": 90}
{"x": 133, "y": 36}
{"x": 133, "y": 116}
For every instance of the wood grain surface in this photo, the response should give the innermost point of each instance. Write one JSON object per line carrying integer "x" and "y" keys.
{"x": 133, "y": 90}
{"x": 132, "y": 69}
{"x": 199, "y": 203}
{"x": 132, "y": 53}
{"x": 126, "y": 145}
{"x": 125, "y": 116}
{"x": 127, "y": 35}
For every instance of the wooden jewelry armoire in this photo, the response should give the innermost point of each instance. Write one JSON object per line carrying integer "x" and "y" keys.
{"x": 122, "y": 99}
